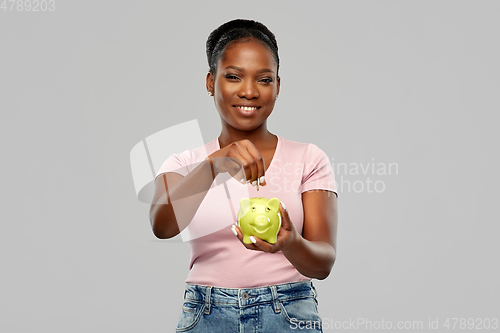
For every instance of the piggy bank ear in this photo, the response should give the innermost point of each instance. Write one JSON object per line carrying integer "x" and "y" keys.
{"x": 274, "y": 203}
{"x": 244, "y": 205}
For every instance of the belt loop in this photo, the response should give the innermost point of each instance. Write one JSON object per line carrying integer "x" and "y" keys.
{"x": 207, "y": 299}
{"x": 277, "y": 309}
{"x": 314, "y": 290}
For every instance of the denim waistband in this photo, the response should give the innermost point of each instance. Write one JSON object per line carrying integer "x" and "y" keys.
{"x": 244, "y": 297}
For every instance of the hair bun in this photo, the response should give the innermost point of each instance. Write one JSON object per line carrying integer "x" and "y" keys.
{"x": 216, "y": 35}
{"x": 234, "y": 30}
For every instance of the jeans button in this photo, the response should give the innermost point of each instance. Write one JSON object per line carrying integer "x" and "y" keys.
{"x": 245, "y": 296}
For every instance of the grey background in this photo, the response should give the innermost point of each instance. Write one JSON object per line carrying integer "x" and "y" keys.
{"x": 409, "y": 82}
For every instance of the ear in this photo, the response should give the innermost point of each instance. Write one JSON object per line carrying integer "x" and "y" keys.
{"x": 279, "y": 82}
{"x": 210, "y": 82}
{"x": 274, "y": 203}
{"x": 244, "y": 205}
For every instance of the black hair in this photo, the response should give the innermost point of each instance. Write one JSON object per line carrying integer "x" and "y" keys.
{"x": 233, "y": 30}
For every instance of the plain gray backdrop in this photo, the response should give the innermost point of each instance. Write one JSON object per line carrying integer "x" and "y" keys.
{"x": 412, "y": 84}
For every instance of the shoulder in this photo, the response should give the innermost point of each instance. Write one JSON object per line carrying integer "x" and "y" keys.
{"x": 187, "y": 160}
{"x": 197, "y": 154}
{"x": 303, "y": 148}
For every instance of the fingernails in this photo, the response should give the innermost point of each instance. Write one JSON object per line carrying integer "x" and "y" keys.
{"x": 252, "y": 239}
{"x": 242, "y": 181}
{"x": 284, "y": 207}
{"x": 262, "y": 179}
{"x": 234, "y": 230}
{"x": 254, "y": 183}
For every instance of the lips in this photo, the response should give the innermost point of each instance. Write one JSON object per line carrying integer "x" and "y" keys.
{"x": 246, "y": 110}
{"x": 247, "y": 106}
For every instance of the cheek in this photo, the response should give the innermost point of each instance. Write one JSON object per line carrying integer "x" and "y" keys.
{"x": 222, "y": 94}
{"x": 220, "y": 101}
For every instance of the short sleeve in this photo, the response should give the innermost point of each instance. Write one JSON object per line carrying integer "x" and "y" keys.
{"x": 317, "y": 172}
{"x": 175, "y": 163}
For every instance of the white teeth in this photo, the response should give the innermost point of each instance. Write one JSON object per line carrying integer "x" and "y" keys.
{"x": 247, "y": 108}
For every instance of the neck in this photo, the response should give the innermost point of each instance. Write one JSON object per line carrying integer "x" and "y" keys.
{"x": 260, "y": 137}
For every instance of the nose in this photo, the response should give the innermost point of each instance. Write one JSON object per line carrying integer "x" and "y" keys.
{"x": 248, "y": 89}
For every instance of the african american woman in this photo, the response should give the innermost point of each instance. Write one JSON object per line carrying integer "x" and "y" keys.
{"x": 233, "y": 286}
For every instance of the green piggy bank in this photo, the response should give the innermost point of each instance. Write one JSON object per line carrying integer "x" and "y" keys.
{"x": 259, "y": 217}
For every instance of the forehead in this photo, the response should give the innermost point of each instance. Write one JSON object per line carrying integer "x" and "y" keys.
{"x": 249, "y": 54}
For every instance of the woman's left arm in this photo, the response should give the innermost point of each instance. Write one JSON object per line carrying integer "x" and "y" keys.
{"x": 313, "y": 253}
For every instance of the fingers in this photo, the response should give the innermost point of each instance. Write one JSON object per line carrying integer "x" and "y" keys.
{"x": 262, "y": 245}
{"x": 233, "y": 165}
{"x": 287, "y": 235}
{"x": 257, "y": 243}
{"x": 242, "y": 160}
{"x": 227, "y": 164}
{"x": 285, "y": 218}
{"x": 249, "y": 163}
{"x": 251, "y": 160}
{"x": 259, "y": 164}
{"x": 237, "y": 232}
{"x": 236, "y": 169}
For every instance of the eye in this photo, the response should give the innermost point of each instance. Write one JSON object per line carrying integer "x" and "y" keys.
{"x": 253, "y": 209}
{"x": 231, "y": 77}
{"x": 268, "y": 209}
{"x": 267, "y": 80}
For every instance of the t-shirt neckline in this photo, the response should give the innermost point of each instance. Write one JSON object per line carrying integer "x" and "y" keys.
{"x": 276, "y": 151}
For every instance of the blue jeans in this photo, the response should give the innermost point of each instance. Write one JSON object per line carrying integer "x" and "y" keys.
{"x": 287, "y": 307}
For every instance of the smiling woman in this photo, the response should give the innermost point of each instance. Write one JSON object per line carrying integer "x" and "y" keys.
{"x": 245, "y": 84}
{"x": 233, "y": 286}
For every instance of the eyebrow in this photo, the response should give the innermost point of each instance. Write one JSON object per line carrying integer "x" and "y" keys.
{"x": 265, "y": 70}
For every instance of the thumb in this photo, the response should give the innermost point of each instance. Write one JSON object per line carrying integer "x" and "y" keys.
{"x": 285, "y": 218}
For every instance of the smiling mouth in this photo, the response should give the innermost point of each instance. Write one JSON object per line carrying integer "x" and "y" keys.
{"x": 246, "y": 111}
{"x": 260, "y": 226}
{"x": 247, "y": 108}
{"x": 260, "y": 230}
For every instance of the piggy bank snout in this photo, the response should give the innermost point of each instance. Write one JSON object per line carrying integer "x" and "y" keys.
{"x": 260, "y": 221}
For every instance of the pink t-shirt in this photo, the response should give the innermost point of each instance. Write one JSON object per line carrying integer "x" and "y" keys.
{"x": 217, "y": 258}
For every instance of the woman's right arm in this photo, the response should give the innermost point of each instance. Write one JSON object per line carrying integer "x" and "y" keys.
{"x": 171, "y": 187}
{"x": 173, "y": 192}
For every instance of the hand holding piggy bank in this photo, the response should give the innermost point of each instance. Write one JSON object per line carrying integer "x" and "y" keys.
{"x": 259, "y": 217}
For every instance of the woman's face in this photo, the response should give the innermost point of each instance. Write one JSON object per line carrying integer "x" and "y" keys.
{"x": 246, "y": 84}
